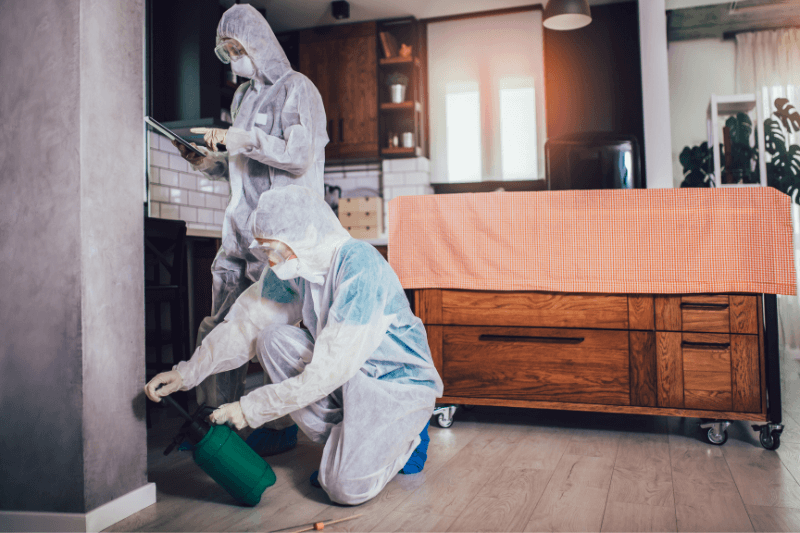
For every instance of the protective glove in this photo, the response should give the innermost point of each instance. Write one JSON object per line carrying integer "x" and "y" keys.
{"x": 192, "y": 157}
{"x": 212, "y": 136}
{"x": 171, "y": 380}
{"x": 229, "y": 413}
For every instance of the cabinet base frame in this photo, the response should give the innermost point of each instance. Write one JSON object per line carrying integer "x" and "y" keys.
{"x": 595, "y": 408}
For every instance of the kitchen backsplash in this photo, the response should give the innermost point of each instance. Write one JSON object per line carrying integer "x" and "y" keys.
{"x": 178, "y": 192}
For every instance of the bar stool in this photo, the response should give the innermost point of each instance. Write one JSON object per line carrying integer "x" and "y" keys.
{"x": 165, "y": 285}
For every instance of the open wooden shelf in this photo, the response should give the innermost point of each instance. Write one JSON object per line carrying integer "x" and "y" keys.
{"x": 388, "y": 106}
{"x": 402, "y": 151}
{"x": 401, "y": 61}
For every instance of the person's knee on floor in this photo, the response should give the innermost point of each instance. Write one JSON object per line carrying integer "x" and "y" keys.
{"x": 416, "y": 462}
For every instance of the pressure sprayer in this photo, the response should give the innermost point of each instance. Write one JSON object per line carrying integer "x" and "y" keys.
{"x": 223, "y": 455}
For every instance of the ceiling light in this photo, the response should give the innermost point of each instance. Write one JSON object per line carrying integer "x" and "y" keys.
{"x": 567, "y": 14}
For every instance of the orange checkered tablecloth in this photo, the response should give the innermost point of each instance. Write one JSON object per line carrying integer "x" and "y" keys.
{"x": 608, "y": 241}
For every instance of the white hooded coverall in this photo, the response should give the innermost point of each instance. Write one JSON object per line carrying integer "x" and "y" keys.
{"x": 360, "y": 379}
{"x": 278, "y": 137}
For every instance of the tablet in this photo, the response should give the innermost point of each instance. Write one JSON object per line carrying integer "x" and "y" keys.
{"x": 171, "y": 135}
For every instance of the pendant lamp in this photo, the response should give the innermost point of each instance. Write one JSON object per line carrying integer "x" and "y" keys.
{"x": 566, "y": 14}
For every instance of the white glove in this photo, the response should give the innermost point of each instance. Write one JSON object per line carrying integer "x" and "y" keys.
{"x": 229, "y": 413}
{"x": 171, "y": 380}
{"x": 212, "y": 136}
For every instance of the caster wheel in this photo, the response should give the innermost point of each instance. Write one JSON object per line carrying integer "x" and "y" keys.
{"x": 717, "y": 439}
{"x": 467, "y": 407}
{"x": 444, "y": 421}
{"x": 770, "y": 440}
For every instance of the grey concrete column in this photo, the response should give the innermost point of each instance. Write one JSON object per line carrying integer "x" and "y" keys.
{"x": 73, "y": 435}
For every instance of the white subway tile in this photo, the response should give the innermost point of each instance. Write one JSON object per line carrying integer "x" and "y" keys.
{"x": 176, "y": 162}
{"x": 153, "y": 175}
{"x": 187, "y": 181}
{"x": 222, "y": 187}
{"x": 423, "y": 164}
{"x": 393, "y": 178}
{"x": 194, "y": 225}
{"x": 153, "y": 139}
{"x": 159, "y": 158}
{"x": 333, "y": 168}
{"x": 427, "y": 189}
{"x": 416, "y": 178}
{"x": 197, "y": 199}
{"x": 406, "y": 190}
{"x": 219, "y": 217}
{"x": 159, "y": 193}
{"x": 178, "y": 196}
{"x": 355, "y": 174}
{"x": 386, "y": 165}
{"x": 354, "y": 167}
{"x": 166, "y": 145}
{"x": 333, "y": 176}
{"x": 189, "y": 214}
{"x": 371, "y": 183}
{"x": 403, "y": 165}
{"x": 204, "y": 184}
{"x": 168, "y": 177}
{"x": 206, "y": 216}
{"x": 155, "y": 209}
{"x": 170, "y": 211}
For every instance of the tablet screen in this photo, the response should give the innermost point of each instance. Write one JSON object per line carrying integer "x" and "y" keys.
{"x": 171, "y": 135}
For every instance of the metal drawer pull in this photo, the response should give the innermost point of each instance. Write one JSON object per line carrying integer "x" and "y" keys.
{"x": 514, "y": 338}
{"x": 708, "y": 345}
{"x": 710, "y": 307}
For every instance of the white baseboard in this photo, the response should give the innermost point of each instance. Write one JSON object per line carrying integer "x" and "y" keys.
{"x": 95, "y": 520}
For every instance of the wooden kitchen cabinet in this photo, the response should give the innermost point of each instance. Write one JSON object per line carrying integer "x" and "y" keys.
{"x": 342, "y": 63}
{"x": 676, "y": 355}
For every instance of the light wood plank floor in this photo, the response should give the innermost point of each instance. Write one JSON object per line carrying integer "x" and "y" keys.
{"x": 503, "y": 469}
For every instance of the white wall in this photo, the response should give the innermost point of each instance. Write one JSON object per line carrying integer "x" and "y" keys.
{"x": 697, "y": 68}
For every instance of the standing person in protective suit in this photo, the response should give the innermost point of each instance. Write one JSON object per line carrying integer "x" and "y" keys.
{"x": 278, "y": 137}
{"x": 359, "y": 380}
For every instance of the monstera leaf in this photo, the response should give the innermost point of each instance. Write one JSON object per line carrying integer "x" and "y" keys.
{"x": 783, "y": 169}
{"x": 696, "y": 162}
{"x": 788, "y": 114}
{"x": 741, "y": 128}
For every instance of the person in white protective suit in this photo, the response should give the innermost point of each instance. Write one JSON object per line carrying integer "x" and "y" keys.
{"x": 359, "y": 379}
{"x": 278, "y": 137}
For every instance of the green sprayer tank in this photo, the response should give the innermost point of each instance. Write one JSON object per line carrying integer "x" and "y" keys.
{"x": 223, "y": 455}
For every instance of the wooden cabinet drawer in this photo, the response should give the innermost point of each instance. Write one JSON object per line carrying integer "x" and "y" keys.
{"x": 531, "y": 309}
{"x": 567, "y": 365}
{"x": 709, "y": 371}
{"x": 721, "y": 313}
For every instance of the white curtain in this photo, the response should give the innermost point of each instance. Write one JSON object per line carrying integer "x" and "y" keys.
{"x": 769, "y": 61}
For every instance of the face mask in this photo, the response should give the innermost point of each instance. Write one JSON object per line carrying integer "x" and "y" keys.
{"x": 288, "y": 269}
{"x": 243, "y": 67}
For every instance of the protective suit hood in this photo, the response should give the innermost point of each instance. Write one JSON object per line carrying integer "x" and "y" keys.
{"x": 301, "y": 219}
{"x": 245, "y": 24}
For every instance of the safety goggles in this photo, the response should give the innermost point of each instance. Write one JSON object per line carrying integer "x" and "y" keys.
{"x": 229, "y": 50}
{"x": 273, "y": 251}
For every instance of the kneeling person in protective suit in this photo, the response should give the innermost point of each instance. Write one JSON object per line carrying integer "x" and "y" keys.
{"x": 360, "y": 379}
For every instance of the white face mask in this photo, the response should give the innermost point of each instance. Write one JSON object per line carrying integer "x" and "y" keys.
{"x": 288, "y": 269}
{"x": 243, "y": 67}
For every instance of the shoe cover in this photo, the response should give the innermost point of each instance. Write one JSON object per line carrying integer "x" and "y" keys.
{"x": 416, "y": 462}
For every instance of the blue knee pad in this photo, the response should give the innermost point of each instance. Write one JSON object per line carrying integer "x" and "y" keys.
{"x": 416, "y": 462}
{"x": 266, "y": 441}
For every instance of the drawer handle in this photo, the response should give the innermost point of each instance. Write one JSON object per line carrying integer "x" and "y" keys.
{"x": 514, "y": 338}
{"x": 708, "y": 345}
{"x": 709, "y": 307}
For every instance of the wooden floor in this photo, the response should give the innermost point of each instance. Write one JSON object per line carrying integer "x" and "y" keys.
{"x": 516, "y": 470}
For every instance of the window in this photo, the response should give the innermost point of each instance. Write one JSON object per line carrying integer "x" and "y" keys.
{"x": 486, "y": 86}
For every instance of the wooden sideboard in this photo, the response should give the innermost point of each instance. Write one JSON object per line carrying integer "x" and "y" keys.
{"x": 677, "y": 355}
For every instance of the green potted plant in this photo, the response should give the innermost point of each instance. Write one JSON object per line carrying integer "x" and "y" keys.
{"x": 783, "y": 166}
